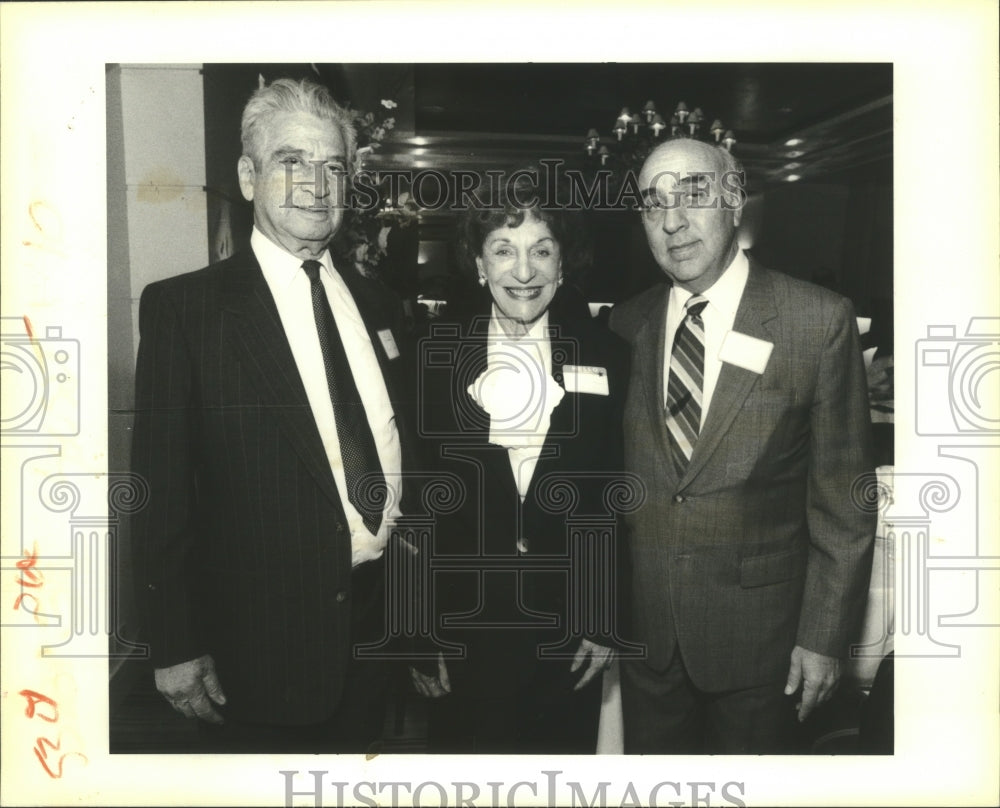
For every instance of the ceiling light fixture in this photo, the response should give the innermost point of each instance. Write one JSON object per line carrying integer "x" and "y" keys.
{"x": 636, "y": 134}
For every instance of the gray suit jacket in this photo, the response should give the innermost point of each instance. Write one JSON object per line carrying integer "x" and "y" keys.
{"x": 763, "y": 544}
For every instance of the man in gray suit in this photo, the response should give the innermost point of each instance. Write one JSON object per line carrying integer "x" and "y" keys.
{"x": 747, "y": 418}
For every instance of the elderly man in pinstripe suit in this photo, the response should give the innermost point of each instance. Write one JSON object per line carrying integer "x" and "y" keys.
{"x": 268, "y": 394}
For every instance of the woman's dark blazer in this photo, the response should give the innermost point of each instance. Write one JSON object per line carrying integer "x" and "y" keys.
{"x": 488, "y": 594}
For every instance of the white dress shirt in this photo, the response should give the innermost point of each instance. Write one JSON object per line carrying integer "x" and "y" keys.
{"x": 290, "y": 288}
{"x": 723, "y": 300}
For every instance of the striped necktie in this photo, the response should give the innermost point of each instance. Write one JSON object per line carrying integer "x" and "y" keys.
{"x": 366, "y": 488}
{"x": 684, "y": 386}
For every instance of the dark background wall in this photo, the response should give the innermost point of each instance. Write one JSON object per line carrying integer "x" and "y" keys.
{"x": 835, "y": 230}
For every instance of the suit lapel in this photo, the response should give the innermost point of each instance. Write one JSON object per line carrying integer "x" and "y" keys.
{"x": 260, "y": 340}
{"x": 650, "y": 342}
{"x": 475, "y": 360}
{"x": 562, "y": 419}
{"x": 496, "y": 470}
{"x": 756, "y": 309}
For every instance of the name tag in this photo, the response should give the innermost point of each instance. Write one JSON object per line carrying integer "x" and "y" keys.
{"x": 745, "y": 351}
{"x": 388, "y": 343}
{"x": 585, "y": 379}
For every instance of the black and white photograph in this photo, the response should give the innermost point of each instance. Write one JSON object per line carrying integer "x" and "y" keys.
{"x": 490, "y": 426}
{"x": 240, "y": 609}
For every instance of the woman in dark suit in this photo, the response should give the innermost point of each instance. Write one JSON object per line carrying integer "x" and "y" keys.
{"x": 521, "y": 400}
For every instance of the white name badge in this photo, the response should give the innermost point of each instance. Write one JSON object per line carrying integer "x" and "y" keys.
{"x": 585, "y": 379}
{"x": 388, "y": 343}
{"x": 745, "y": 351}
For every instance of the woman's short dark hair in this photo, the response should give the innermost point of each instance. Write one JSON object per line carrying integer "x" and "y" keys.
{"x": 522, "y": 197}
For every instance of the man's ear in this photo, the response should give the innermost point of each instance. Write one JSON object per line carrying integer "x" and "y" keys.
{"x": 737, "y": 216}
{"x": 248, "y": 176}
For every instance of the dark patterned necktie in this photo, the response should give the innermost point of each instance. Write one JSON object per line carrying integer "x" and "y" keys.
{"x": 366, "y": 488}
{"x": 685, "y": 383}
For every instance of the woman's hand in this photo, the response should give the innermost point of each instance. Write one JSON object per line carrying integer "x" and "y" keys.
{"x": 432, "y": 686}
{"x": 596, "y": 657}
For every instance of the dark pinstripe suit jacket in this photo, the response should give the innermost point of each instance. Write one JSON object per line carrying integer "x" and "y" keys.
{"x": 760, "y": 545}
{"x": 244, "y": 549}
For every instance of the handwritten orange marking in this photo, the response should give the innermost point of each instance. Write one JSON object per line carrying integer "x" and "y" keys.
{"x": 31, "y": 212}
{"x": 41, "y": 752}
{"x": 33, "y": 610}
{"x": 33, "y": 584}
{"x": 26, "y": 565}
{"x": 31, "y": 335}
{"x": 34, "y": 698}
{"x": 47, "y": 222}
{"x": 43, "y": 755}
{"x": 30, "y": 556}
{"x": 34, "y": 577}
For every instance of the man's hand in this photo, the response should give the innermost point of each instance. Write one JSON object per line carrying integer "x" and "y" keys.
{"x": 818, "y": 675}
{"x": 598, "y": 658}
{"x": 432, "y": 686}
{"x": 191, "y": 687}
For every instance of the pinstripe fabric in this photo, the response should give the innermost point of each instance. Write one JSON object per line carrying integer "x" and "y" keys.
{"x": 242, "y": 550}
{"x": 686, "y": 382}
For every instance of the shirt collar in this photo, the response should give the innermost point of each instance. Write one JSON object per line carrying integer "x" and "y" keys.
{"x": 537, "y": 332}
{"x": 727, "y": 290}
{"x": 281, "y": 265}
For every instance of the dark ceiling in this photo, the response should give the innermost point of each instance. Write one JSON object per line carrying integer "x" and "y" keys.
{"x": 481, "y": 116}
{"x": 763, "y": 102}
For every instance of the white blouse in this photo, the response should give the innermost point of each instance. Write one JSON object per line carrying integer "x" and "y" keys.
{"x": 518, "y": 392}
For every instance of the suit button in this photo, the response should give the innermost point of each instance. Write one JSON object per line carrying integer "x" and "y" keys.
{"x": 678, "y": 498}
{"x": 340, "y": 528}
{"x": 341, "y": 596}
